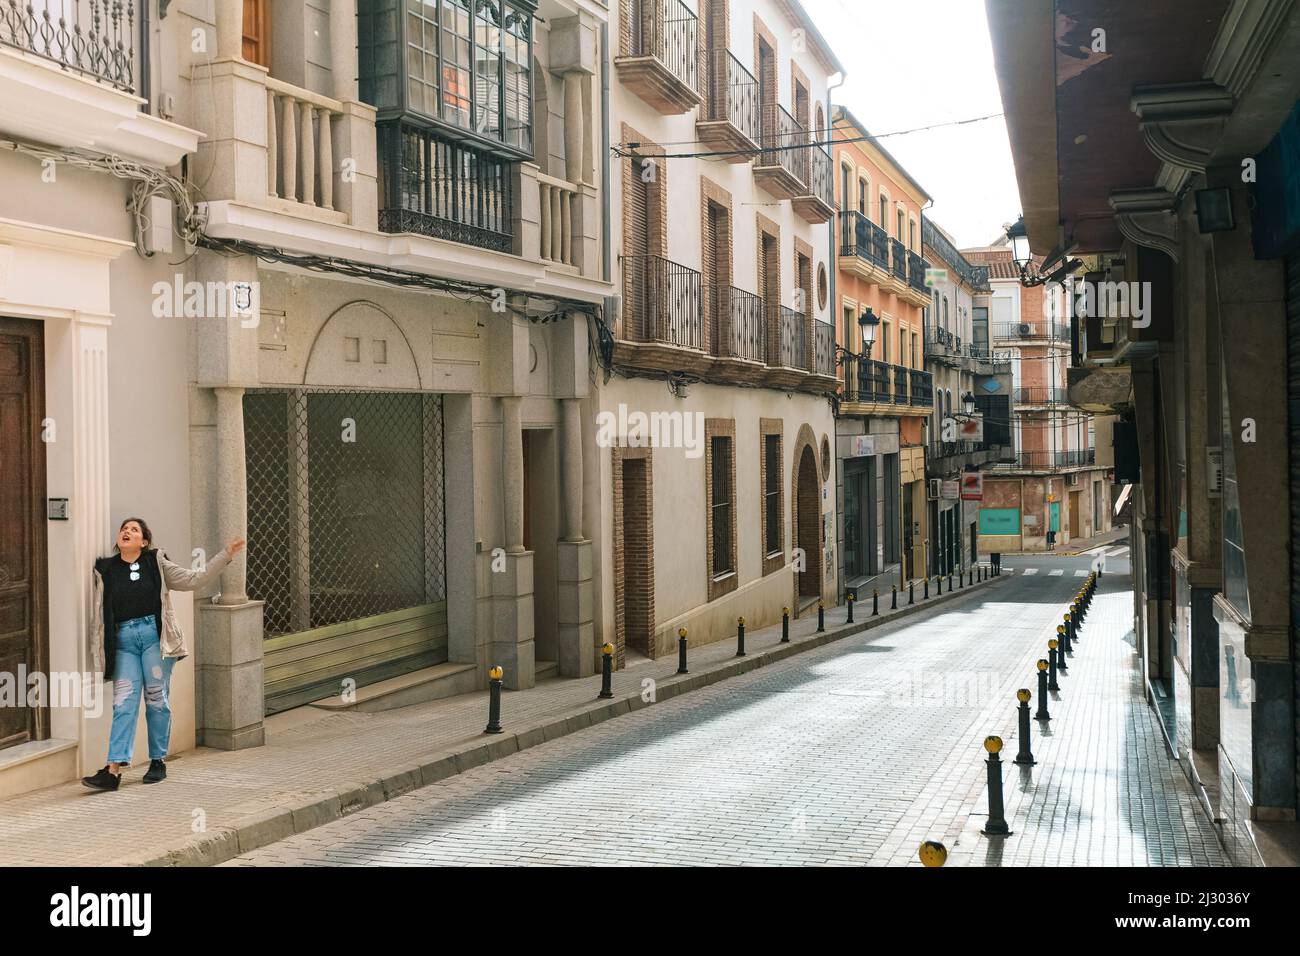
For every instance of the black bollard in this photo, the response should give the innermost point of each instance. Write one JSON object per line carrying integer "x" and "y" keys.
{"x": 925, "y": 589}
{"x": 851, "y": 595}
{"x": 875, "y": 602}
{"x": 1042, "y": 713}
{"x": 997, "y": 823}
{"x": 950, "y": 581}
{"x": 1051, "y": 666}
{"x": 911, "y": 592}
{"x": 893, "y": 597}
{"x": 821, "y": 617}
{"x": 938, "y": 584}
{"x": 1062, "y": 645}
{"x": 1026, "y": 756}
{"x": 785, "y": 625}
{"x": 740, "y": 637}
{"x": 681, "y": 651}
{"x": 961, "y": 578}
{"x": 606, "y": 672}
{"x": 494, "y": 701}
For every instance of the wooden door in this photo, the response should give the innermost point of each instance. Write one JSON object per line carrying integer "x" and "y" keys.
{"x": 257, "y": 32}
{"x": 23, "y": 627}
{"x": 1075, "y": 531}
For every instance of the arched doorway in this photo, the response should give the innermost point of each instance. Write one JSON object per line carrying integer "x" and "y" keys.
{"x": 808, "y": 521}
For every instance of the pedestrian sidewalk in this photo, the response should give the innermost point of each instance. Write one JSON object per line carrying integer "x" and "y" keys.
{"x": 1073, "y": 548}
{"x": 1105, "y": 790}
{"x": 318, "y": 766}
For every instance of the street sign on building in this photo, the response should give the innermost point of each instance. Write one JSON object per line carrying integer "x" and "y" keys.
{"x": 950, "y": 490}
{"x": 970, "y": 428}
{"x": 864, "y": 446}
{"x": 972, "y": 486}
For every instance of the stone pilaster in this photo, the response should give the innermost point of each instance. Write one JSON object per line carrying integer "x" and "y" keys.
{"x": 230, "y": 28}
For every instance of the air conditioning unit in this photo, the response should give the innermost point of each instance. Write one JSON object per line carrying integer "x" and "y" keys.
{"x": 1026, "y": 329}
{"x": 935, "y": 486}
{"x": 1071, "y": 479}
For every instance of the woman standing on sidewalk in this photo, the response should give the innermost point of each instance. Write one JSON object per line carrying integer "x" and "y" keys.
{"x": 135, "y": 641}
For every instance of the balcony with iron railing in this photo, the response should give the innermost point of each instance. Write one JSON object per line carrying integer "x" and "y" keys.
{"x": 659, "y": 58}
{"x": 916, "y": 268}
{"x": 1048, "y": 461}
{"x": 793, "y": 338}
{"x": 778, "y": 167}
{"x": 901, "y": 378}
{"x": 922, "y": 388}
{"x": 730, "y": 119}
{"x": 864, "y": 247}
{"x": 817, "y": 204}
{"x": 92, "y": 38}
{"x": 824, "y": 349}
{"x": 1021, "y": 331}
{"x": 1041, "y": 395}
{"x": 943, "y": 346}
{"x": 69, "y": 75}
{"x": 739, "y": 327}
{"x": 663, "y": 303}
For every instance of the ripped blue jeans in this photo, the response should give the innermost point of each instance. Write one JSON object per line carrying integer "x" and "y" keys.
{"x": 140, "y": 667}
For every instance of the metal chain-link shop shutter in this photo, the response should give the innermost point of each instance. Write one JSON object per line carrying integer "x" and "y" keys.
{"x": 346, "y": 537}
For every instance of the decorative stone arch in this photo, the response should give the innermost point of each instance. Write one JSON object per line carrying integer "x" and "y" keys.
{"x": 805, "y": 504}
{"x": 361, "y": 346}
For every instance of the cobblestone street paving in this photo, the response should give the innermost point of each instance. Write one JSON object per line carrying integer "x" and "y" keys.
{"x": 850, "y": 754}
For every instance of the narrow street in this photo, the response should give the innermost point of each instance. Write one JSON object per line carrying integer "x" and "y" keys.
{"x": 851, "y": 754}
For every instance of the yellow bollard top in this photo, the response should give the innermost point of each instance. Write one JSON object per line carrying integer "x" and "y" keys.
{"x": 993, "y": 744}
{"x": 681, "y": 632}
{"x": 1042, "y": 664}
{"x": 1052, "y": 643}
{"x": 933, "y": 853}
{"x": 495, "y": 672}
{"x": 607, "y": 648}
{"x": 1060, "y": 629}
{"x": 1023, "y": 695}
{"x": 785, "y": 610}
{"x": 740, "y": 621}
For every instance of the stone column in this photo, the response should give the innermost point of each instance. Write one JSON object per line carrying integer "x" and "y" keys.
{"x": 343, "y": 48}
{"x": 571, "y": 468}
{"x": 575, "y": 125}
{"x": 232, "y": 490}
{"x": 230, "y": 29}
{"x": 512, "y": 473}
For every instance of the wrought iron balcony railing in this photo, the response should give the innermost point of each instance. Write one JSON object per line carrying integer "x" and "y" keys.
{"x": 1075, "y": 457}
{"x": 667, "y": 31}
{"x": 445, "y": 189}
{"x": 1041, "y": 395}
{"x": 823, "y": 348}
{"x": 663, "y": 302}
{"x": 95, "y": 38}
{"x": 900, "y": 384}
{"x": 782, "y": 132}
{"x": 922, "y": 388}
{"x": 898, "y": 257}
{"x": 794, "y": 340}
{"x": 916, "y": 267}
{"x": 816, "y": 174}
{"x": 733, "y": 94}
{"x": 744, "y": 336}
{"x": 861, "y": 237}
{"x": 1031, "y": 330}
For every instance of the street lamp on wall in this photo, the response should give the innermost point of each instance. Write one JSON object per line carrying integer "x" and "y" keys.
{"x": 968, "y": 403}
{"x": 868, "y": 322}
{"x": 1030, "y": 275}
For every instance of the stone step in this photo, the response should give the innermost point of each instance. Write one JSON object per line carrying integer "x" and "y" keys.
{"x": 417, "y": 687}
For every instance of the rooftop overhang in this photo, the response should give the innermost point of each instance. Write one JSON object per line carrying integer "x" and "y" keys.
{"x": 1068, "y": 71}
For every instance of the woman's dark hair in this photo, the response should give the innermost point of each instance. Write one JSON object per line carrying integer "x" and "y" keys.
{"x": 144, "y": 529}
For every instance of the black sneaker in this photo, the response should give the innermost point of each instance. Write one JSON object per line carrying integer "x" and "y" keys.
{"x": 157, "y": 771}
{"x": 104, "y": 780}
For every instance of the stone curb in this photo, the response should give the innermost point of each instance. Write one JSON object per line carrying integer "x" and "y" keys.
{"x": 275, "y": 823}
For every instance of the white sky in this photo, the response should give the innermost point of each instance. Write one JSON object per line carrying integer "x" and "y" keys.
{"x": 919, "y": 62}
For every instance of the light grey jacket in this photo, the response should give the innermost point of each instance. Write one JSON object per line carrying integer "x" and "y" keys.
{"x": 174, "y": 578}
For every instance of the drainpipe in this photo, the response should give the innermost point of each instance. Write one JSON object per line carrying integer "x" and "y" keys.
{"x": 832, "y": 266}
{"x": 604, "y": 138}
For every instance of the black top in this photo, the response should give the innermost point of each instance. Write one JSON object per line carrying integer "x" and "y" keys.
{"x": 132, "y": 599}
